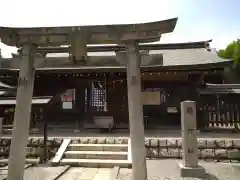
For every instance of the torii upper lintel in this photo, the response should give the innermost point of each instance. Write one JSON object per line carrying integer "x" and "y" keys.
{"x": 99, "y": 34}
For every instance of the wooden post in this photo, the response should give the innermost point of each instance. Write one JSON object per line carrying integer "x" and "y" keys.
{"x": 45, "y": 152}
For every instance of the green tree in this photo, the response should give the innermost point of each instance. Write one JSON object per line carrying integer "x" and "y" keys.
{"x": 232, "y": 51}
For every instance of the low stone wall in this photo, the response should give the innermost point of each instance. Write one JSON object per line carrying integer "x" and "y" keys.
{"x": 172, "y": 148}
{"x": 155, "y": 148}
{"x": 100, "y": 140}
{"x": 34, "y": 149}
{"x": 207, "y": 149}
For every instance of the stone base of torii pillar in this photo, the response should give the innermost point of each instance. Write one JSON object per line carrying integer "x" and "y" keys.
{"x": 189, "y": 166}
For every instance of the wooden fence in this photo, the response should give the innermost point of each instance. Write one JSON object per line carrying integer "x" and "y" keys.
{"x": 218, "y": 111}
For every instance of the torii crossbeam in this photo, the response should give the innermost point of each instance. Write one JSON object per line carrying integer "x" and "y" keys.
{"x": 78, "y": 37}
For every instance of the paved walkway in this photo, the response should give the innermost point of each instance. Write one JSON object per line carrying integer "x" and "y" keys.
{"x": 157, "y": 170}
{"x": 87, "y": 174}
{"x": 169, "y": 170}
{"x": 64, "y": 173}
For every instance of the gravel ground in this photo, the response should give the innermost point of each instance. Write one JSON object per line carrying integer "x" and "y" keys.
{"x": 169, "y": 170}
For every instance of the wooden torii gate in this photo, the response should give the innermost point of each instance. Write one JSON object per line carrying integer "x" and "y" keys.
{"x": 77, "y": 37}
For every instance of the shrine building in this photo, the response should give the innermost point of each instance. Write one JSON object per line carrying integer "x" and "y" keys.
{"x": 170, "y": 73}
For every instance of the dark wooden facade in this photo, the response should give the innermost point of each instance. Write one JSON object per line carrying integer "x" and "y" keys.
{"x": 177, "y": 71}
{"x": 175, "y": 86}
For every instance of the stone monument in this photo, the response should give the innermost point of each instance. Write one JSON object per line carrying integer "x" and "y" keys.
{"x": 189, "y": 166}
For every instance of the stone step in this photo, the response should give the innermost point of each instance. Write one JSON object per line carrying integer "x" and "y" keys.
{"x": 96, "y": 163}
{"x": 98, "y": 147}
{"x": 96, "y": 155}
{"x": 7, "y": 131}
{"x": 27, "y": 161}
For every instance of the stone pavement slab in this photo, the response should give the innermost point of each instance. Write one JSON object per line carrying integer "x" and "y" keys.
{"x": 104, "y": 170}
{"x": 43, "y": 173}
{"x": 87, "y": 174}
{"x": 63, "y": 173}
{"x": 168, "y": 170}
{"x": 72, "y": 174}
{"x": 80, "y": 173}
{"x": 4, "y": 171}
{"x": 100, "y": 176}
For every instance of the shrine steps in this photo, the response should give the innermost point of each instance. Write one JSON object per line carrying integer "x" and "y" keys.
{"x": 96, "y": 163}
{"x": 96, "y": 155}
{"x": 99, "y": 147}
{"x": 93, "y": 155}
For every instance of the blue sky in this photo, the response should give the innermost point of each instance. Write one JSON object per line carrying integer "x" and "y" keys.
{"x": 198, "y": 19}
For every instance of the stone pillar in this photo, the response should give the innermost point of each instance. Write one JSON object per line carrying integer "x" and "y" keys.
{"x": 22, "y": 114}
{"x": 136, "y": 113}
{"x": 79, "y": 39}
{"x": 189, "y": 166}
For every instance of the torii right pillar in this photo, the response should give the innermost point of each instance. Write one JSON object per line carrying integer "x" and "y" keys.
{"x": 138, "y": 151}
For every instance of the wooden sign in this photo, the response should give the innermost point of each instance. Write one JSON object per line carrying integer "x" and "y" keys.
{"x": 67, "y": 99}
{"x": 151, "y": 98}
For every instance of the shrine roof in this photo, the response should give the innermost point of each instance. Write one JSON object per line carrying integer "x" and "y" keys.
{"x": 218, "y": 91}
{"x": 184, "y": 54}
{"x": 210, "y": 89}
{"x": 171, "y": 57}
{"x": 177, "y": 55}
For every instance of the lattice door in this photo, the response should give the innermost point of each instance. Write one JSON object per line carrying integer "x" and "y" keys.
{"x": 97, "y": 98}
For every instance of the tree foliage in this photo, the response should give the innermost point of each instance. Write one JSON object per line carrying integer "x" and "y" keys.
{"x": 232, "y": 51}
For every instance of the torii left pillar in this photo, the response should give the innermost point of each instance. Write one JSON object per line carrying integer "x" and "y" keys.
{"x": 22, "y": 113}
